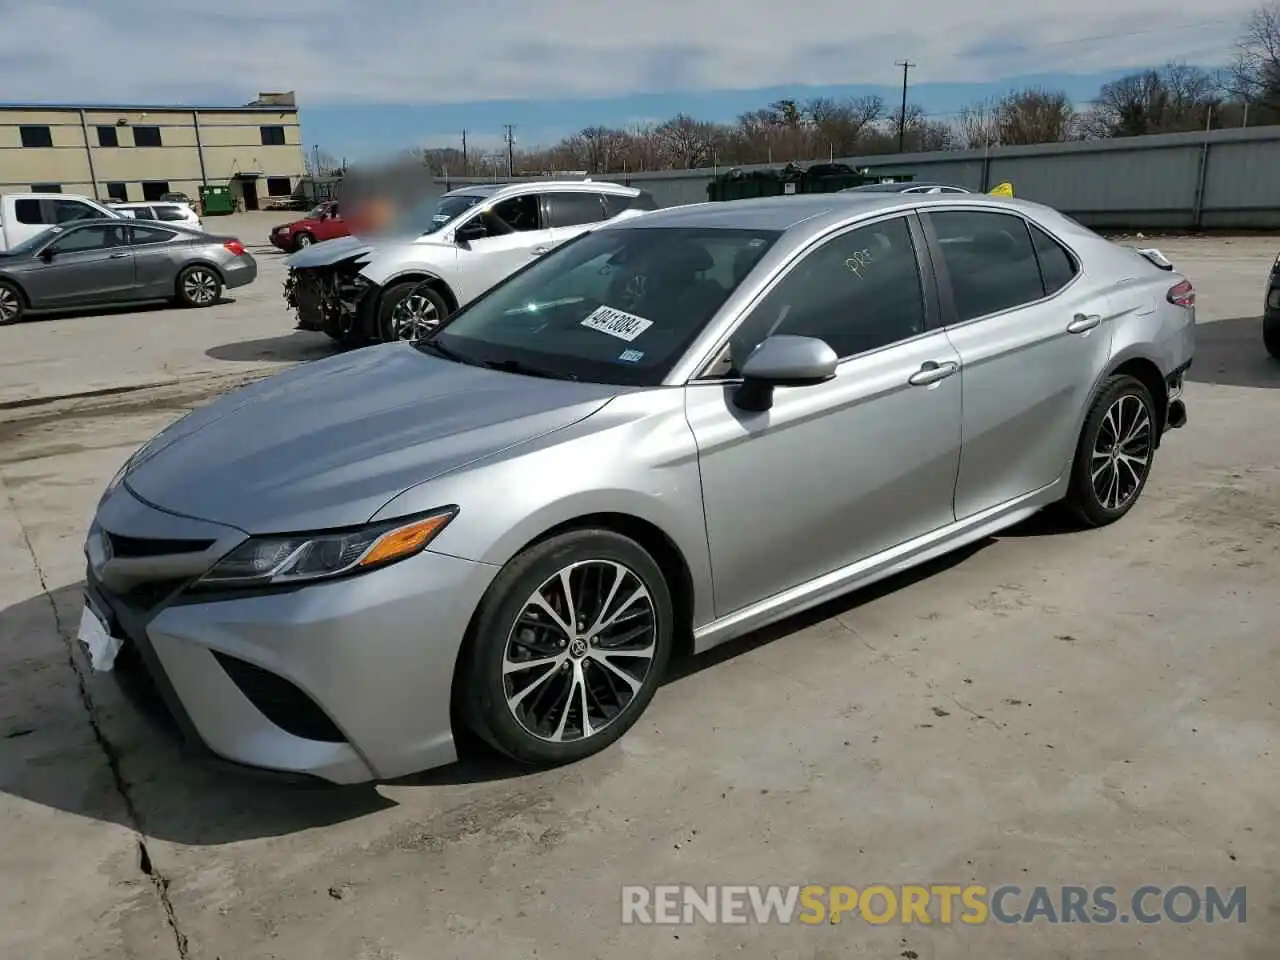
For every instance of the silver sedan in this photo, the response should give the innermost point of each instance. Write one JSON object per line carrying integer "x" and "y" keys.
{"x": 93, "y": 263}
{"x": 668, "y": 432}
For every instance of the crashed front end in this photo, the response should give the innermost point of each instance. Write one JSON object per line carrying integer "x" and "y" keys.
{"x": 329, "y": 298}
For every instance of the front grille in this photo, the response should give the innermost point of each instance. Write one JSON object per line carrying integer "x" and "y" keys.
{"x": 280, "y": 701}
{"x": 135, "y": 547}
{"x": 146, "y": 596}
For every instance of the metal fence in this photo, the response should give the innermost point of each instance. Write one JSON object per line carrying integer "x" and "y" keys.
{"x": 1219, "y": 179}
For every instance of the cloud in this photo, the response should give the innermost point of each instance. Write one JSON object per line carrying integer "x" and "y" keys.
{"x": 401, "y": 51}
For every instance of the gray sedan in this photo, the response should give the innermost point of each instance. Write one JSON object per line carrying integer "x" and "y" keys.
{"x": 92, "y": 263}
{"x": 663, "y": 434}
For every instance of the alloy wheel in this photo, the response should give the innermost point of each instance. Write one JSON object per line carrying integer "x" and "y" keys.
{"x": 1121, "y": 452}
{"x": 414, "y": 318}
{"x": 200, "y": 287}
{"x": 9, "y": 305}
{"x": 580, "y": 651}
{"x": 304, "y": 241}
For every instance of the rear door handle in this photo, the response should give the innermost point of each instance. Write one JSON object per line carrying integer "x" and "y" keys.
{"x": 1083, "y": 323}
{"x": 117, "y": 256}
{"x": 931, "y": 372}
{"x": 538, "y": 251}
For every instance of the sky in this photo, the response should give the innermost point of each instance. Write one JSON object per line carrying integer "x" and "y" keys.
{"x": 374, "y": 76}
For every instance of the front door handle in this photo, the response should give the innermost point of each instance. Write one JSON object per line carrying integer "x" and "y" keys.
{"x": 931, "y": 372}
{"x": 538, "y": 251}
{"x": 117, "y": 256}
{"x": 1083, "y": 323}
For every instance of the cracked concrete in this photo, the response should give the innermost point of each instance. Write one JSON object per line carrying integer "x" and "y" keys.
{"x": 1047, "y": 708}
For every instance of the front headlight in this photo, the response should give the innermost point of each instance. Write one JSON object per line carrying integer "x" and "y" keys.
{"x": 269, "y": 561}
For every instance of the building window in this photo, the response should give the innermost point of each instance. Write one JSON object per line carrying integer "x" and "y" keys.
{"x": 279, "y": 186}
{"x": 273, "y": 136}
{"x": 46, "y": 188}
{"x": 36, "y": 136}
{"x": 153, "y": 190}
{"x": 118, "y": 191}
{"x": 107, "y": 137}
{"x": 146, "y": 137}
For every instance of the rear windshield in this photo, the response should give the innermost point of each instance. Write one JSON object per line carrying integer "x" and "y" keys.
{"x": 613, "y": 306}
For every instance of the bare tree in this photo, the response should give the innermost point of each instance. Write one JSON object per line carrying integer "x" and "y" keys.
{"x": 1255, "y": 75}
{"x": 978, "y": 124}
{"x": 1035, "y": 116}
{"x": 687, "y": 142}
{"x": 1176, "y": 98}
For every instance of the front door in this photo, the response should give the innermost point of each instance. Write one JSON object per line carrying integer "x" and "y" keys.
{"x": 91, "y": 263}
{"x": 517, "y": 233}
{"x": 1032, "y": 345}
{"x": 250, "y": 190}
{"x": 838, "y": 472}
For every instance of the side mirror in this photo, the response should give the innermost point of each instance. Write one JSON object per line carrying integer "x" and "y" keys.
{"x": 47, "y": 254}
{"x": 473, "y": 229}
{"x": 783, "y": 361}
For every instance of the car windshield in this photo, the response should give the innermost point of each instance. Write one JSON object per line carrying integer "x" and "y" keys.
{"x": 31, "y": 244}
{"x": 616, "y": 306}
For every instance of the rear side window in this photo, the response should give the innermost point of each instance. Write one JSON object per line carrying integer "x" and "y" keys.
{"x": 170, "y": 213}
{"x": 989, "y": 260}
{"x": 1057, "y": 266}
{"x": 28, "y": 211}
{"x": 572, "y": 209}
{"x": 145, "y": 235}
{"x": 615, "y": 203}
{"x": 65, "y": 211}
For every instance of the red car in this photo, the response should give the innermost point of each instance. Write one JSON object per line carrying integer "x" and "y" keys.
{"x": 322, "y": 223}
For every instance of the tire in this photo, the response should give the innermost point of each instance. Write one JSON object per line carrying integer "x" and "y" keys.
{"x": 1122, "y": 467}
{"x": 398, "y": 313}
{"x": 302, "y": 240}
{"x": 538, "y": 730}
{"x": 1271, "y": 334}
{"x": 12, "y": 304}
{"x": 199, "y": 286}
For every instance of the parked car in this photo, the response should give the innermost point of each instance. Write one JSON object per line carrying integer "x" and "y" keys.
{"x": 1271, "y": 312}
{"x": 663, "y": 434}
{"x": 90, "y": 263}
{"x": 456, "y": 249}
{"x": 177, "y": 197}
{"x": 324, "y": 222}
{"x": 179, "y": 213}
{"x": 906, "y": 186}
{"x": 23, "y": 215}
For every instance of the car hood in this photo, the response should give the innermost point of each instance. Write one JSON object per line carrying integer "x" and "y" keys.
{"x": 328, "y": 443}
{"x": 329, "y": 252}
{"x": 423, "y": 253}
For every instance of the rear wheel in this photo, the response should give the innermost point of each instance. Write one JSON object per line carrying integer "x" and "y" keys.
{"x": 1271, "y": 334}
{"x": 410, "y": 311}
{"x": 303, "y": 240}
{"x": 199, "y": 286}
{"x": 570, "y": 644}
{"x": 11, "y": 303}
{"x": 1114, "y": 455}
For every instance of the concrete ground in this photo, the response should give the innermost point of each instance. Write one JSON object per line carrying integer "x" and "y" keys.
{"x": 1048, "y": 708}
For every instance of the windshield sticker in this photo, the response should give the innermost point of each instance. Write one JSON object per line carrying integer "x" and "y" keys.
{"x": 631, "y": 356}
{"x": 617, "y": 323}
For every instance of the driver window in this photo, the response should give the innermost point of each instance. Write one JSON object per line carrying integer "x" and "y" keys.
{"x": 859, "y": 291}
{"x": 90, "y": 238}
{"x": 64, "y": 211}
{"x": 519, "y": 213}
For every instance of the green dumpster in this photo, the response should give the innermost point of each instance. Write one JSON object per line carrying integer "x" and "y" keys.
{"x": 791, "y": 179}
{"x": 216, "y": 201}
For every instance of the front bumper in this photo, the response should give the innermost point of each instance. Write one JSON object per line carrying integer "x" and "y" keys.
{"x": 240, "y": 272}
{"x": 1271, "y": 305}
{"x": 281, "y": 241}
{"x": 347, "y": 681}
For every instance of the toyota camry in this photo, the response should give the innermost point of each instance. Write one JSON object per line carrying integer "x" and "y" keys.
{"x": 665, "y": 433}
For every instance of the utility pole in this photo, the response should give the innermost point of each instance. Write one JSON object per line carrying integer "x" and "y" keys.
{"x": 906, "y": 66}
{"x": 511, "y": 149}
{"x": 466, "y": 167}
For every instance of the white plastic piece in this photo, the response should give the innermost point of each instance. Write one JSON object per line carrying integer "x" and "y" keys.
{"x": 98, "y": 643}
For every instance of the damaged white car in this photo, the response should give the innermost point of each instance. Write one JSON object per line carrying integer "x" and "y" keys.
{"x": 358, "y": 291}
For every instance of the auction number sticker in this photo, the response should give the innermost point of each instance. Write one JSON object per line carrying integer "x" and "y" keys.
{"x": 617, "y": 323}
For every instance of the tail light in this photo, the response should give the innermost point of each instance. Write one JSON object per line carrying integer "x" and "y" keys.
{"x": 1182, "y": 294}
{"x": 237, "y": 248}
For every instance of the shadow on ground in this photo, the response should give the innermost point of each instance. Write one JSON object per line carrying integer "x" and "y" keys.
{"x": 292, "y": 347}
{"x": 1230, "y": 353}
{"x": 181, "y": 800}
{"x": 111, "y": 309}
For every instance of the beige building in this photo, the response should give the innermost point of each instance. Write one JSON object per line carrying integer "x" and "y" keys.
{"x": 134, "y": 152}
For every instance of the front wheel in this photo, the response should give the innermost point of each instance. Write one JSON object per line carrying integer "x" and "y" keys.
{"x": 1113, "y": 458}
{"x": 199, "y": 287}
{"x": 569, "y": 647}
{"x": 302, "y": 241}
{"x": 11, "y": 304}
{"x": 410, "y": 311}
{"x": 1270, "y": 334}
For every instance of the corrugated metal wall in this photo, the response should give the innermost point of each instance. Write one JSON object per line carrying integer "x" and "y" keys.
{"x": 1219, "y": 179}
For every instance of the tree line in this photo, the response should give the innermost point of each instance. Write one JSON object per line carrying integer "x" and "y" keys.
{"x": 1172, "y": 99}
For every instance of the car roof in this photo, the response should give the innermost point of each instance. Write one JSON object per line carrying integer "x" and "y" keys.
{"x": 899, "y": 186}
{"x": 813, "y": 212}
{"x": 568, "y": 186}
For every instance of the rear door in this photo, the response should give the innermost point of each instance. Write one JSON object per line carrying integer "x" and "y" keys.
{"x": 570, "y": 213}
{"x": 86, "y": 264}
{"x": 156, "y": 260}
{"x": 1033, "y": 339}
